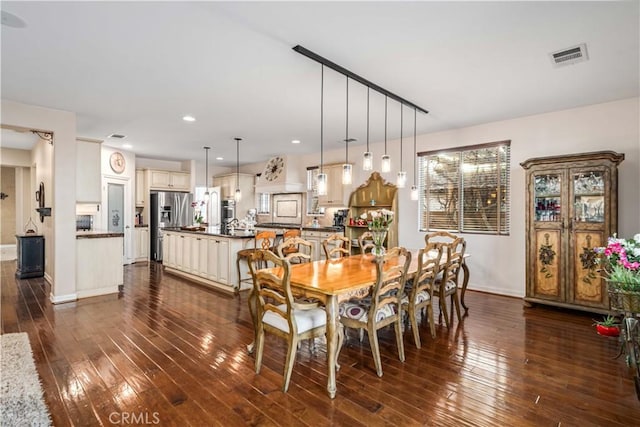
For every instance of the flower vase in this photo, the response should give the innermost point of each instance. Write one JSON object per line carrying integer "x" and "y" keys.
{"x": 378, "y": 240}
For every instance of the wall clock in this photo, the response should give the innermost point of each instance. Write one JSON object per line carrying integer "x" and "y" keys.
{"x": 117, "y": 162}
{"x": 274, "y": 168}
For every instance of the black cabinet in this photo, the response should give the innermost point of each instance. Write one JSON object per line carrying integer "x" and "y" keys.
{"x": 30, "y": 250}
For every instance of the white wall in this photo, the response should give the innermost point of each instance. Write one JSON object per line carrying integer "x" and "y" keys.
{"x": 497, "y": 263}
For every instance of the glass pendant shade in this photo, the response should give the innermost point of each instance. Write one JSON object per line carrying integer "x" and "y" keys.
{"x": 238, "y": 195}
{"x": 414, "y": 192}
{"x": 346, "y": 174}
{"x": 386, "y": 163}
{"x": 401, "y": 180}
{"x": 322, "y": 184}
{"x": 367, "y": 161}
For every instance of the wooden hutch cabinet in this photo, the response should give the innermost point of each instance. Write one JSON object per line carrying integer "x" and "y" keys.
{"x": 571, "y": 208}
{"x": 374, "y": 194}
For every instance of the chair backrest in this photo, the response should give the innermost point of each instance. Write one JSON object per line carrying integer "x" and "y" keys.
{"x": 428, "y": 268}
{"x": 336, "y": 246}
{"x": 439, "y": 237}
{"x": 288, "y": 234}
{"x": 273, "y": 290}
{"x": 303, "y": 250}
{"x": 365, "y": 241}
{"x": 264, "y": 240}
{"x": 391, "y": 274}
{"x": 454, "y": 253}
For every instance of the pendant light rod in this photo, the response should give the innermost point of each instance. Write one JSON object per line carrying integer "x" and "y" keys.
{"x": 321, "y": 116}
{"x": 324, "y": 61}
{"x": 415, "y": 157}
{"x": 401, "y": 126}
{"x": 346, "y": 131}
{"x": 385, "y": 125}
{"x": 367, "y": 119}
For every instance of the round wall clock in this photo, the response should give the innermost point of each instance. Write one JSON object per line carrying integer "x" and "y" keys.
{"x": 274, "y": 168}
{"x": 117, "y": 162}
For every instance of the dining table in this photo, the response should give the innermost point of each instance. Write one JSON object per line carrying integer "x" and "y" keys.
{"x": 334, "y": 281}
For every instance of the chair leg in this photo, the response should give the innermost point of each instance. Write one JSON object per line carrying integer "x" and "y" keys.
{"x": 413, "y": 318}
{"x": 252, "y": 310}
{"x": 361, "y": 332}
{"x": 399, "y": 340}
{"x": 443, "y": 310}
{"x": 375, "y": 349}
{"x": 238, "y": 267}
{"x": 259, "y": 349}
{"x": 432, "y": 326}
{"x": 455, "y": 299}
{"x": 288, "y": 364}
{"x": 340, "y": 342}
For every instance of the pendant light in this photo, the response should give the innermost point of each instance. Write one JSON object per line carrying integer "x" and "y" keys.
{"x": 386, "y": 160}
{"x": 238, "y": 194}
{"x": 346, "y": 168}
{"x": 367, "y": 160}
{"x": 322, "y": 177}
{"x": 401, "y": 180}
{"x": 206, "y": 174}
{"x": 414, "y": 187}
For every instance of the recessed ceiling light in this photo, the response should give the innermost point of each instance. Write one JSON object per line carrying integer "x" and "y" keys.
{"x": 189, "y": 119}
{"x": 219, "y": 158}
{"x": 127, "y": 146}
{"x": 295, "y": 141}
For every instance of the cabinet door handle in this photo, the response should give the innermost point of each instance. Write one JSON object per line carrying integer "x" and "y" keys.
{"x": 562, "y": 225}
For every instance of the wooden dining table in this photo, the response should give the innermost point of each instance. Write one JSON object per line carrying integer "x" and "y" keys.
{"x": 334, "y": 281}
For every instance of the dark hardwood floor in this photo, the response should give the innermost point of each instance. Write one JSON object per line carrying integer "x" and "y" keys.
{"x": 167, "y": 352}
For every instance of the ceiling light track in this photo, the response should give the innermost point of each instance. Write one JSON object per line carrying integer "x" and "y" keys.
{"x": 324, "y": 61}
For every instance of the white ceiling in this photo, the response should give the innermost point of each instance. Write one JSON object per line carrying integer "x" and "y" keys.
{"x": 136, "y": 68}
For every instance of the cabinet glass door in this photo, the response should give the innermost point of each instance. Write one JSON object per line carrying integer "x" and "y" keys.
{"x": 547, "y": 201}
{"x": 589, "y": 197}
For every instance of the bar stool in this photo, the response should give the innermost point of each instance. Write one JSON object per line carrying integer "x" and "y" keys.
{"x": 263, "y": 240}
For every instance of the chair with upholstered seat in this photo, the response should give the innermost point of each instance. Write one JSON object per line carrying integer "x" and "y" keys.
{"x": 278, "y": 314}
{"x": 336, "y": 246}
{"x": 419, "y": 290}
{"x": 262, "y": 240}
{"x": 365, "y": 241}
{"x": 447, "y": 282}
{"x": 384, "y": 308}
{"x": 303, "y": 250}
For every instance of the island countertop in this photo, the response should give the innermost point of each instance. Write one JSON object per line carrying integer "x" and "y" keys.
{"x": 214, "y": 231}
{"x": 97, "y": 234}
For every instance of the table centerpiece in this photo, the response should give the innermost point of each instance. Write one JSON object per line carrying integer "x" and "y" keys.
{"x": 378, "y": 222}
{"x": 620, "y": 260}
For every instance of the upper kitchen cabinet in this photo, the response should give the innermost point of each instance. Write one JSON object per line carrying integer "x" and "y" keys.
{"x": 88, "y": 172}
{"x": 168, "y": 180}
{"x": 140, "y": 188}
{"x": 246, "y": 183}
{"x": 337, "y": 193}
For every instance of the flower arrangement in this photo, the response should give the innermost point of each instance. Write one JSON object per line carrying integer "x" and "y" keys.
{"x": 621, "y": 262}
{"x": 197, "y": 212}
{"x": 378, "y": 220}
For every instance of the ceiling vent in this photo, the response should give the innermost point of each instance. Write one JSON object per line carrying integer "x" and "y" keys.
{"x": 570, "y": 55}
{"x": 116, "y": 135}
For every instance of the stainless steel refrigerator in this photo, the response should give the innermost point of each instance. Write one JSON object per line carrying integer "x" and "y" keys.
{"x": 168, "y": 209}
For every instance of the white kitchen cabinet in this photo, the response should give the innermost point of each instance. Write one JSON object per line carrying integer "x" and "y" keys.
{"x": 141, "y": 244}
{"x": 227, "y": 184}
{"x": 88, "y": 172}
{"x": 336, "y": 191}
{"x": 316, "y": 238}
{"x": 169, "y": 250}
{"x": 168, "y": 180}
{"x": 218, "y": 260}
{"x": 141, "y": 193}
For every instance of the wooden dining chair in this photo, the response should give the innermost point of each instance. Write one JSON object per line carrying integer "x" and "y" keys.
{"x": 278, "y": 314}
{"x": 384, "y": 308}
{"x": 262, "y": 240}
{"x": 419, "y": 290}
{"x": 288, "y": 234}
{"x": 336, "y": 246}
{"x": 365, "y": 242}
{"x": 447, "y": 282}
{"x": 255, "y": 262}
{"x": 303, "y": 250}
{"x": 439, "y": 237}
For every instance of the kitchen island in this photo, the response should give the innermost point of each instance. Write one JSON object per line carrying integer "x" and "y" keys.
{"x": 99, "y": 267}
{"x": 205, "y": 256}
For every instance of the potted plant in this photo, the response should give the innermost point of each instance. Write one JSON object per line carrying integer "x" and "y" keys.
{"x": 608, "y": 326}
{"x": 620, "y": 260}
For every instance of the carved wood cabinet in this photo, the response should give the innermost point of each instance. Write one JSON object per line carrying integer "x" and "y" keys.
{"x": 571, "y": 208}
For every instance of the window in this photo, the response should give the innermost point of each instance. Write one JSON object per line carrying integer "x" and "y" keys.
{"x": 264, "y": 205}
{"x": 465, "y": 189}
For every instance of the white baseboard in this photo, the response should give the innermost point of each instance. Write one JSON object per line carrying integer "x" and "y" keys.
{"x": 62, "y": 298}
{"x": 8, "y": 252}
{"x": 497, "y": 291}
{"x": 96, "y": 292}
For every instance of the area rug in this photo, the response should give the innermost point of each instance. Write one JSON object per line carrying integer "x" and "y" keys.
{"x": 21, "y": 401}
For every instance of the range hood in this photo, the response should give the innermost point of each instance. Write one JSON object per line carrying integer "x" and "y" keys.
{"x": 280, "y": 176}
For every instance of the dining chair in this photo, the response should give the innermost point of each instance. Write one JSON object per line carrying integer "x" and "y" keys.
{"x": 447, "y": 282}
{"x": 278, "y": 314}
{"x": 288, "y": 234}
{"x": 384, "y": 308}
{"x": 255, "y": 262}
{"x": 262, "y": 240}
{"x": 365, "y": 242}
{"x": 439, "y": 237}
{"x": 303, "y": 250}
{"x": 419, "y": 290}
{"x": 336, "y": 246}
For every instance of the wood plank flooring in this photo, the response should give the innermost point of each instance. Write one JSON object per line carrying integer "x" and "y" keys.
{"x": 167, "y": 352}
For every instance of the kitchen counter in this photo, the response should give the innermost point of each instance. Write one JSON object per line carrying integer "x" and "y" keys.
{"x": 96, "y": 234}
{"x": 329, "y": 229}
{"x": 215, "y": 231}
